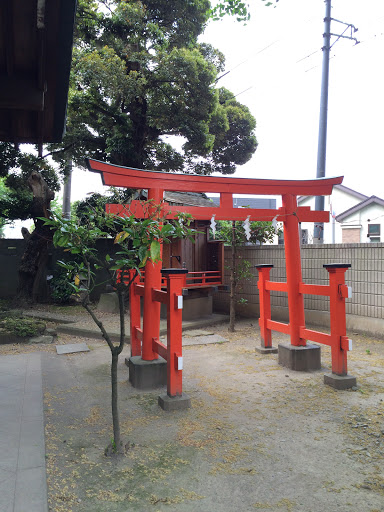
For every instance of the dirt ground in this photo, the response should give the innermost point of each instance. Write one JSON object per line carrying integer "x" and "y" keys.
{"x": 258, "y": 436}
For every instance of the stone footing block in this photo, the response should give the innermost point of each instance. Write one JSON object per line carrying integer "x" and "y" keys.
{"x": 339, "y": 381}
{"x": 266, "y": 350}
{"x": 147, "y": 374}
{"x": 300, "y": 359}
{"x": 109, "y": 303}
{"x": 174, "y": 403}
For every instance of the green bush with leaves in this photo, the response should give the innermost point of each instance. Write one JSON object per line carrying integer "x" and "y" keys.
{"x": 4, "y": 305}
{"x": 22, "y": 327}
{"x": 61, "y": 287}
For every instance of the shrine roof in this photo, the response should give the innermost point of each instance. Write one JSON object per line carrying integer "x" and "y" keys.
{"x": 35, "y": 60}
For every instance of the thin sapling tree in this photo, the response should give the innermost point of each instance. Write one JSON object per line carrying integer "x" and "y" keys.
{"x": 136, "y": 241}
{"x": 234, "y": 235}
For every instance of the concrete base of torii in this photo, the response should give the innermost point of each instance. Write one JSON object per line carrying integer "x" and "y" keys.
{"x": 266, "y": 350}
{"x": 339, "y": 382}
{"x": 174, "y": 403}
{"x": 300, "y": 358}
{"x": 147, "y": 374}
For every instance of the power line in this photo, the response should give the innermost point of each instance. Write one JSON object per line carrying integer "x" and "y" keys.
{"x": 373, "y": 21}
{"x": 246, "y": 60}
{"x": 245, "y": 90}
{"x": 307, "y": 56}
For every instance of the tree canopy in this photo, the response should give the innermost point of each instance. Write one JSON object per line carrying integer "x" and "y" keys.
{"x": 16, "y": 198}
{"x": 139, "y": 79}
{"x": 236, "y": 8}
{"x": 139, "y": 75}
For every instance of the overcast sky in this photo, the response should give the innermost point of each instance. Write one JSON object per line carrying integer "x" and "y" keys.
{"x": 276, "y": 60}
{"x": 274, "y": 65}
{"x": 270, "y": 73}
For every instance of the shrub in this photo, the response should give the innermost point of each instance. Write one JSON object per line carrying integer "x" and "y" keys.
{"x": 4, "y": 305}
{"x": 61, "y": 288}
{"x": 23, "y": 327}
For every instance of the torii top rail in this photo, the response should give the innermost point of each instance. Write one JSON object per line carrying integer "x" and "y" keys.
{"x": 290, "y": 214}
{"x": 158, "y": 182}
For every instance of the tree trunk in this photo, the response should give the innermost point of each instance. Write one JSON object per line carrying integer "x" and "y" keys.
{"x": 233, "y": 279}
{"x": 33, "y": 261}
{"x": 116, "y": 446}
{"x": 115, "y": 408}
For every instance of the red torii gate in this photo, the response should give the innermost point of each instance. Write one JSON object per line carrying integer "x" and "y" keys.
{"x": 289, "y": 214}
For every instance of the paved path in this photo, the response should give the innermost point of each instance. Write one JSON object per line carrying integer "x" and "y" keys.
{"x": 23, "y": 486}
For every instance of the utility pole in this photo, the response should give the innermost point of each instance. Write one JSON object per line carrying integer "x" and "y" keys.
{"x": 322, "y": 142}
{"x": 318, "y": 234}
{"x": 67, "y": 192}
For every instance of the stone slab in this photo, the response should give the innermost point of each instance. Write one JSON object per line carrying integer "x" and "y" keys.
{"x": 301, "y": 358}
{"x": 147, "y": 374}
{"x": 267, "y": 350}
{"x": 50, "y": 316}
{"x": 194, "y": 308}
{"x": 46, "y": 340}
{"x": 198, "y": 332}
{"x": 198, "y": 339}
{"x": 203, "y": 340}
{"x": 72, "y": 348}
{"x": 78, "y": 330}
{"x": 339, "y": 382}
{"x": 174, "y": 403}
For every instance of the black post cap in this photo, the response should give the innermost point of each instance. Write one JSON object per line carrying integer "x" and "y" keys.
{"x": 337, "y": 265}
{"x": 168, "y": 271}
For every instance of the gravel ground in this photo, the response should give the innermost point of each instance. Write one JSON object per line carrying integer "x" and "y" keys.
{"x": 258, "y": 436}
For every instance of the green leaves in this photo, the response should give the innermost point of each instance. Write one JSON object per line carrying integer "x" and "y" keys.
{"x": 120, "y": 237}
{"x": 15, "y": 168}
{"x": 143, "y": 255}
{"x": 139, "y": 74}
{"x": 136, "y": 240}
{"x": 235, "y": 8}
{"x": 155, "y": 250}
{"x": 261, "y": 232}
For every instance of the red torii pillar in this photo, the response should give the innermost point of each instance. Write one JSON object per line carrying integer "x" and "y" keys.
{"x": 293, "y": 269}
{"x": 151, "y": 313}
{"x": 290, "y": 214}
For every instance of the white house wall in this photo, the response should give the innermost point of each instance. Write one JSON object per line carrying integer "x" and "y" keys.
{"x": 340, "y": 201}
{"x": 371, "y": 214}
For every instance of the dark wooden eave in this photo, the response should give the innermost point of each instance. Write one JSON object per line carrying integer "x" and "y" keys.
{"x": 35, "y": 58}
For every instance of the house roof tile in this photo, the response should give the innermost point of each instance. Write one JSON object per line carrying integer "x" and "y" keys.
{"x": 359, "y": 206}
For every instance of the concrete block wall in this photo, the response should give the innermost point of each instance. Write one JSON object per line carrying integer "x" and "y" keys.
{"x": 366, "y": 277}
{"x": 11, "y": 251}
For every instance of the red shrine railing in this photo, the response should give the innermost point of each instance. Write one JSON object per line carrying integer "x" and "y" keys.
{"x": 172, "y": 352}
{"x": 337, "y": 291}
{"x": 201, "y": 279}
